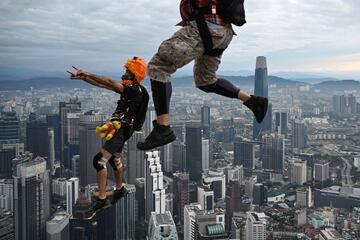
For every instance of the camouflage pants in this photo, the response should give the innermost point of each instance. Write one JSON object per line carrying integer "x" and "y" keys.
{"x": 183, "y": 47}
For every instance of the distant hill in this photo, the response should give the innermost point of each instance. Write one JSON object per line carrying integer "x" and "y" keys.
{"x": 338, "y": 85}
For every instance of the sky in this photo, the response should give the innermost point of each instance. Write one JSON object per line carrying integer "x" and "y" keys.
{"x": 99, "y": 35}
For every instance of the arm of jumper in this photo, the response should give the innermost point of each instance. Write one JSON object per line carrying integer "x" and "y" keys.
{"x": 107, "y": 82}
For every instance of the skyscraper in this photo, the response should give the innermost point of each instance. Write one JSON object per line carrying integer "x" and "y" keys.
{"x": 281, "y": 121}
{"x": 272, "y": 152}
{"x": 37, "y": 140}
{"x": 58, "y": 227}
{"x": 166, "y": 158}
{"x": 322, "y": 171}
{"x": 179, "y": 132}
{"x": 6, "y": 196}
{"x": 53, "y": 122}
{"x": 179, "y": 156}
{"x": 259, "y": 194}
{"x": 162, "y": 227}
{"x": 216, "y": 181}
{"x": 9, "y": 128}
{"x": 6, "y": 157}
{"x": 72, "y": 147}
{"x": 190, "y": 220}
{"x": 244, "y": 153}
{"x": 134, "y": 158}
{"x": 31, "y": 198}
{"x": 140, "y": 199}
{"x": 205, "y": 198}
{"x": 181, "y": 193}
{"x": 72, "y": 194}
{"x": 297, "y": 171}
{"x": 299, "y": 134}
{"x": 90, "y": 145}
{"x": 72, "y": 106}
{"x": 205, "y": 120}
{"x": 255, "y": 226}
{"x": 339, "y": 104}
{"x": 352, "y": 104}
{"x": 150, "y": 117}
{"x": 261, "y": 89}
{"x": 205, "y": 154}
{"x": 233, "y": 200}
{"x": 83, "y": 224}
{"x": 303, "y": 197}
{"x": 193, "y": 150}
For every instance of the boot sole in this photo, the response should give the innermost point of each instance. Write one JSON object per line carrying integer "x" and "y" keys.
{"x": 166, "y": 140}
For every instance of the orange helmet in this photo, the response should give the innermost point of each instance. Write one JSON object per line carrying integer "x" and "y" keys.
{"x": 137, "y": 66}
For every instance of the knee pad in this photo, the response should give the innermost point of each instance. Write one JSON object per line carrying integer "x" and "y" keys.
{"x": 116, "y": 163}
{"x": 99, "y": 162}
{"x": 222, "y": 87}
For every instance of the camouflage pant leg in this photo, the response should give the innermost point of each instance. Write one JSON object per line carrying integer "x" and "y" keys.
{"x": 183, "y": 47}
{"x": 206, "y": 66}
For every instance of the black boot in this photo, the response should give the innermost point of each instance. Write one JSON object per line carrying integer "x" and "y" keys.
{"x": 101, "y": 204}
{"x": 258, "y": 105}
{"x": 160, "y": 135}
{"x": 118, "y": 194}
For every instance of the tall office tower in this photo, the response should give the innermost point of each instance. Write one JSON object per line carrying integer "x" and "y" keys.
{"x": 228, "y": 131}
{"x": 205, "y": 120}
{"x": 297, "y": 171}
{"x": 190, "y": 220}
{"x": 37, "y": 139}
{"x": 9, "y": 128}
{"x": 125, "y": 215}
{"x": 255, "y": 226}
{"x": 303, "y": 197}
{"x": 58, "y": 227}
{"x": 234, "y": 173}
{"x": 244, "y": 153}
{"x": 140, "y": 199}
{"x": 150, "y": 117}
{"x": 299, "y": 134}
{"x": 179, "y": 132}
{"x": 51, "y": 159}
{"x": 205, "y": 154}
{"x": 179, "y": 156}
{"x": 261, "y": 89}
{"x": 6, "y": 195}
{"x": 201, "y": 224}
{"x": 339, "y": 104}
{"x": 90, "y": 145}
{"x": 154, "y": 186}
{"x": 259, "y": 194}
{"x": 205, "y": 198}
{"x": 6, "y": 157}
{"x": 238, "y": 230}
{"x": 309, "y": 158}
{"x": 281, "y": 121}
{"x": 72, "y": 106}
{"x": 75, "y": 166}
{"x": 134, "y": 159}
{"x": 352, "y": 104}
{"x": 181, "y": 193}
{"x": 59, "y": 188}
{"x": 193, "y": 150}
{"x": 216, "y": 180}
{"x": 272, "y": 152}
{"x": 166, "y": 158}
{"x": 72, "y": 194}
{"x": 322, "y": 171}
{"x": 169, "y": 202}
{"x": 162, "y": 227}
{"x": 83, "y": 224}
{"x": 249, "y": 186}
{"x": 72, "y": 148}
{"x": 233, "y": 200}
{"x": 31, "y": 198}
{"x": 53, "y": 122}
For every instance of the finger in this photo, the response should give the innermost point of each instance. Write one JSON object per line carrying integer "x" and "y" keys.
{"x": 75, "y": 68}
{"x": 71, "y": 73}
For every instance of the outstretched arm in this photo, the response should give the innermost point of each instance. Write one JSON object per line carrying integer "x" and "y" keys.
{"x": 95, "y": 80}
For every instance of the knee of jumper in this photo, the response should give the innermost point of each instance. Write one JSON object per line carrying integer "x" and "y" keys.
{"x": 116, "y": 163}
{"x": 207, "y": 88}
{"x": 99, "y": 162}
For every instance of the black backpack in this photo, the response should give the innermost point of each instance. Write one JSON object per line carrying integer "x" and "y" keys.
{"x": 231, "y": 11}
{"x": 140, "y": 115}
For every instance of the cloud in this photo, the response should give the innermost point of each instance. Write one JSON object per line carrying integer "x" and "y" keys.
{"x": 101, "y": 34}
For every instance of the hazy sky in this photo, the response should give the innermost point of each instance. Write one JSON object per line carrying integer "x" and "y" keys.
{"x": 295, "y": 35}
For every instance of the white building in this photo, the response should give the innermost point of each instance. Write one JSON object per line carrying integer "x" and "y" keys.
{"x": 255, "y": 226}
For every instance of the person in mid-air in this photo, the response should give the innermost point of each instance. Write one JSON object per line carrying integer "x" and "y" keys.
{"x": 203, "y": 37}
{"x": 128, "y": 116}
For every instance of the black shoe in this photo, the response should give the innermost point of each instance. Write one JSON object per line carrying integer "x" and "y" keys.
{"x": 119, "y": 193}
{"x": 101, "y": 204}
{"x": 258, "y": 105}
{"x": 160, "y": 135}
